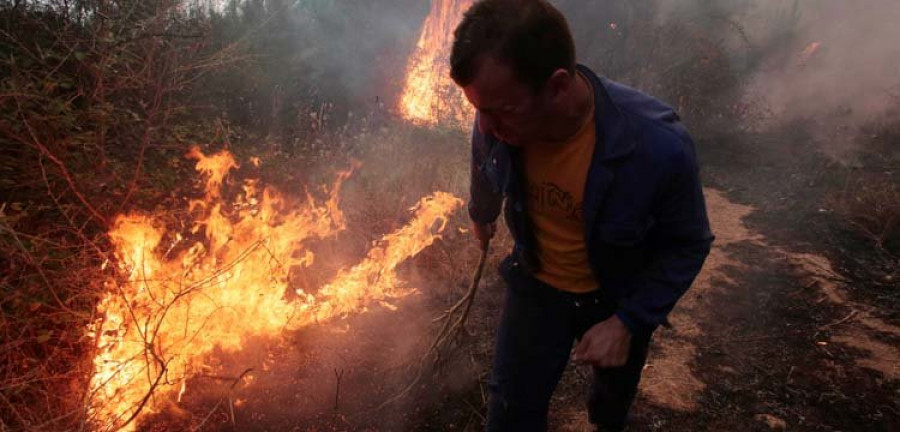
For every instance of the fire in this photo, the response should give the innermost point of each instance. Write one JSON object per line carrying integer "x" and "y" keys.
{"x": 429, "y": 95}
{"x": 181, "y": 295}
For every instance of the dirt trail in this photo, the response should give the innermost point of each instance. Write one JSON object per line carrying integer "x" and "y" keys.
{"x": 765, "y": 339}
{"x": 668, "y": 379}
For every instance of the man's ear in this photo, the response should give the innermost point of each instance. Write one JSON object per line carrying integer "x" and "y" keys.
{"x": 560, "y": 85}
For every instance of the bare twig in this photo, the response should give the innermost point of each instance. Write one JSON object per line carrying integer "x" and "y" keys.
{"x": 451, "y": 326}
{"x": 36, "y": 143}
{"x": 454, "y": 320}
{"x": 162, "y": 372}
{"x": 337, "y": 387}
{"x": 840, "y": 321}
{"x": 234, "y": 383}
{"x": 36, "y": 265}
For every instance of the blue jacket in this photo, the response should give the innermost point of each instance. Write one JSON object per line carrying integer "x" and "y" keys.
{"x": 646, "y": 227}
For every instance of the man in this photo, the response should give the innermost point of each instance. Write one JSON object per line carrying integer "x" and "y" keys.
{"x": 603, "y": 200}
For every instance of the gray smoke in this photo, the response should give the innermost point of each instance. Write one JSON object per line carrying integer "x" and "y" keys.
{"x": 855, "y": 72}
{"x": 832, "y": 65}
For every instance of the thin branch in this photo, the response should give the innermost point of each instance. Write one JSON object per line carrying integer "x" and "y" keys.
{"x": 221, "y": 400}
{"x": 35, "y": 142}
{"x": 454, "y": 320}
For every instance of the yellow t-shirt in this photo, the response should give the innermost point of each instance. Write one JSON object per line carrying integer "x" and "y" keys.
{"x": 555, "y": 177}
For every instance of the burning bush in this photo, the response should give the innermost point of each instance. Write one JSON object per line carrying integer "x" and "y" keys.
{"x": 176, "y": 304}
{"x": 89, "y": 104}
{"x": 100, "y": 102}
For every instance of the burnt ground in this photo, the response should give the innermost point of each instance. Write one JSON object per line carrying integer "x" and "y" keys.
{"x": 791, "y": 325}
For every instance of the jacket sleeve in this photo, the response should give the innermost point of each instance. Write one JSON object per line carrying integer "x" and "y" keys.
{"x": 485, "y": 199}
{"x": 685, "y": 240}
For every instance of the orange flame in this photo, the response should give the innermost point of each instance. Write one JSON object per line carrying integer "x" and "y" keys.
{"x": 429, "y": 95}
{"x": 172, "y": 309}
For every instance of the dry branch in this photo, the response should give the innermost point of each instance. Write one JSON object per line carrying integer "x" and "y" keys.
{"x": 451, "y": 327}
{"x": 234, "y": 383}
{"x": 337, "y": 387}
{"x": 454, "y": 320}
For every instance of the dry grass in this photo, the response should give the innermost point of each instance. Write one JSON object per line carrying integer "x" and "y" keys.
{"x": 870, "y": 204}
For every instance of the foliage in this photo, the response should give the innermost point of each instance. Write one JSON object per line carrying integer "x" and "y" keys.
{"x": 92, "y": 102}
{"x": 99, "y": 102}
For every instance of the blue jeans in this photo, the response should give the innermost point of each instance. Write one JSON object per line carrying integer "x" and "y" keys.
{"x": 534, "y": 340}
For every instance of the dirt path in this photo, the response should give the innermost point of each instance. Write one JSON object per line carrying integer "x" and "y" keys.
{"x": 765, "y": 339}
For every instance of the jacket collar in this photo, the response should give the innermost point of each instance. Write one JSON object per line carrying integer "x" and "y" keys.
{"x": 614, "y": 136}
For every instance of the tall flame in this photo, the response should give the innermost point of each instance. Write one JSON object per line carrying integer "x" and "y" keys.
{"x": 172, "y": 308}
{"x": 429, "y": 95}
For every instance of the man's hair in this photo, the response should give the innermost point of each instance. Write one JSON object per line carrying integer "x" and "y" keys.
{"x": 530, "y": 36}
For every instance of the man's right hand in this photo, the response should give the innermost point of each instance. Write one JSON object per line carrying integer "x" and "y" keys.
{"x": 484, "y": 233}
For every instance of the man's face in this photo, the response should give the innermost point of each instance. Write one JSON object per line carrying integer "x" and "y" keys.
{"x": 510, "y": 110}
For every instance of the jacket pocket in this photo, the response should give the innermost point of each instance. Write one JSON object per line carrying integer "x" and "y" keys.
{"x": 624, "y": 234}
{"x": 622, "y": 250}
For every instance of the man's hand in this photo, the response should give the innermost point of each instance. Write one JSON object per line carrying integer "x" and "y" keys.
{"x": 604, "y": 345}
{"x": 484, "y": 233}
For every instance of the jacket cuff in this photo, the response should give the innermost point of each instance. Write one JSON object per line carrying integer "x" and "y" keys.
{"x": 477, "y": 217}
{"x": 637, "y": 328}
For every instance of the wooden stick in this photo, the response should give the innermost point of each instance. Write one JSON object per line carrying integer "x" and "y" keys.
{"x": 449, "y": 331}
{"x": 337, "y": 388}
{"x": 454, "y": 320}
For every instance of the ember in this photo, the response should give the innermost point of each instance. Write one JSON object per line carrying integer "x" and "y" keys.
{"x": 809, "y": 52}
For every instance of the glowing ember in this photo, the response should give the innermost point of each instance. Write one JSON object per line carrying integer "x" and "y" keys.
{"x": 429, "y": 95}
{"x": 173, "y": 308}
{"x": 809, "y": 52}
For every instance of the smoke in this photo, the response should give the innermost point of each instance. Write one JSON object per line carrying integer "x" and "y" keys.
{"x": 362, "y": 45}
{"x": 809, "y": 57}
{"x": 831, "y": 65}
{"x": 800, "y": 58}
{"x": 841, "y": 58}
{"x": 305, "y": 53}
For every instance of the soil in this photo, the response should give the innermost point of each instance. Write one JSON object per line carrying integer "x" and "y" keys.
{"x": 786, "y": 328}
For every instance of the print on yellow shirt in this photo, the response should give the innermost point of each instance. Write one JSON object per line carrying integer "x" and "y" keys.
{"x": 556, "y": 174}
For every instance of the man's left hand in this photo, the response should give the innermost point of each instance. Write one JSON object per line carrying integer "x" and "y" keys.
{"x": 604, "y": 345}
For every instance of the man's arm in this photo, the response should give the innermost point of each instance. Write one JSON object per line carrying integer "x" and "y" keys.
{"x": 485, "y": 200}
{"x": 683, "y": 224}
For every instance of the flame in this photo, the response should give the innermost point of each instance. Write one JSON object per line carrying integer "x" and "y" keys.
{"x": 170, "y": 309}
{"x": 374, "y": 278}
{"x": 429, "y": 95}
